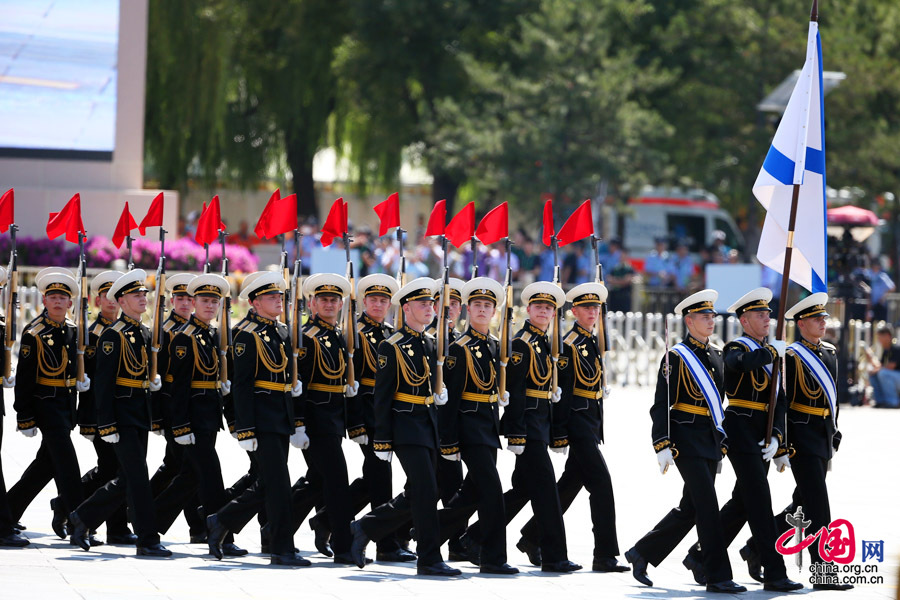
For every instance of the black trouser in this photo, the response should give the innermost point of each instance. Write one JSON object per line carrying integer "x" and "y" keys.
{"x": 450, "y": 479}
{"x": 481, "y": 489}
{"x": 173, "y": 464}
{"x": 327, "y": 457}
{"x": 131, "y": 484}
{"x": 271, "y": 490}
{"x": 812, "y": 494}
{"x": 35, "y": 477}
{"x": 698, "y": 506}
{"x": 533, "y": 481}
{"x": 418, "y": 500}
{"x": 105, "y": 471}
{"x": 6, "y": 520}
{"x": 55, "y": 459}
{"x": 586, "y": 468}
{"x": 751, "y": 501}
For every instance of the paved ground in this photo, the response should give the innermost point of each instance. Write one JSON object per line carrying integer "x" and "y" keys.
{"x": 863, "y": 486}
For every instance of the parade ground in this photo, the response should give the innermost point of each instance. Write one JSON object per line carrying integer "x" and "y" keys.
{"x": 864, "y": 489}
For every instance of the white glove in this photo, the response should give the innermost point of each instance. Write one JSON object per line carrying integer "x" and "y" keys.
{"x": 561, "y": 450}
{"x": 186, "y": 440}
{"x": 157, "y": 431}
{"x": 299, "y": 439}
{"x": 248, "y": 445}
{"x": 30, "y": 432}
{"x": 362, "y": 440}
{"x": 504, "y": 399}
{"x": 297, "y": 389}
{"x": 769, "y": 451}
{"x": 350, "y": 392}
{"x": 781, "y": 463}
{"x": 156, "y": 384}
{"x": 88, "y": 436}
{"x": 10, "y": 381}
{"x": 665, "y": 460}
{"x": 441, "y": 399}
{"x": 454, "y": 457}
{"x": 225, "y": 387}
{"x": 83, "y": 386}
{"x": 234, "y": 434}
{"x": 606, "y": 392}
{"x": 517, "y": 450}
{"x": 112, "y": 438}
{"x": 780, "y": 346}
{"x": 556, "y": 395}
{"x": 385, "y": 456}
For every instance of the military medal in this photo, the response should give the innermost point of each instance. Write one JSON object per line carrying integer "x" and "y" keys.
{"x": 478, "y": 353}
{"x": 266, "y": 337}
{"x": 411, "y": 352}
{"x": 131, "y": 339}
{"x": 328, "y": 343}
{"x": 49, "y": 341}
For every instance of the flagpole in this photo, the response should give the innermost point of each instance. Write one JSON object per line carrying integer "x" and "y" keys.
{"x": 785, "y": 280}
{"x": 128, "y": 240}
{"x": 401, "y": 277}
{"x": 474, "y": 242}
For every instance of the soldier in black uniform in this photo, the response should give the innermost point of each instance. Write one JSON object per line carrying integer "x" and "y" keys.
{"x": 812, "y": 430}
{"x": 748, "y": 361}
{"x": 267, "y": 416}
{"x": 9, "y": 535}
{"x": 45, "y": 387}
{"x": 122, "y": 389}
{"x": 578, "y": 428}
{"x": 406, "y": 423}
{"x": 688, "y": 433}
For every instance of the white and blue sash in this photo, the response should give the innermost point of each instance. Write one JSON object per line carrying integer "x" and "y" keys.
{"x": 705, "y": 381}
{"x": 821, "y": 374}
{"x": 754, "y": 345}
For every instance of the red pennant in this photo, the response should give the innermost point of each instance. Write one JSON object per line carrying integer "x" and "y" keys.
{"x": 154, "y": 216}
{"x": 260, "y": 229}
{"x": 336, "y": 222}
{"x": 123, "y": 228}
{"x": 578, "y": 226}
{"x": 67, "y": 221}
{"x": 209, "y": 223}
{"x": 437, "y": 222}
{"x": 282, "y": 216}
{"x": 7, "y": 210}
{"x": 389, "y": 213}
{"x": 462, "y": 228}
{"x": 494, "y": 226}
{"x": 549, "y": 231}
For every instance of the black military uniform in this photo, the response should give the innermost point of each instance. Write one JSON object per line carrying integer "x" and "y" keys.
{"x": 578, "y": 425}
{"x": 9, "y": 536}
{"x": 121, "y": 390}
{"x": 682, "y": 422}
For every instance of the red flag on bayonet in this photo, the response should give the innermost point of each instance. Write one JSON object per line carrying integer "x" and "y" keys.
{"x": 7, "y": 210}
{"x": 282, "y": 216}
{"x": 494, "y": 226}
{"x": 578, "y": 226}
{"x": 154, "y": 216}
{"x": 209, "y": 223}
{"x": 462, "y": 228}
{"x": 437, "y": 222}
{"x": 123, "y": 227}
{"x": 67, "y": 221}
{"x": 549, "y": 231}
{"x": 260, "y": 229}
{"x": 336, "y": 222}
{"x": 389, "y": 213}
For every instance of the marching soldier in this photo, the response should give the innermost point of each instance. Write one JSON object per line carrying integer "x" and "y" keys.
{"x": 688, "y": 433}
{"x": 267, "y": 416}
{"x": 812, "y": 430}
{"x": 46, "y": 385}
{"x": 122, "y": 389}
{"x": 748, "y": 367}
{"x": 194, "y": 406}
{"x": 406, "y": 423}
{"x": 579, "y": 429}
{"x": 470, "y": 425}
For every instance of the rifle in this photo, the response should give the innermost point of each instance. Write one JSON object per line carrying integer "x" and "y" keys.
{"x": 286, "y": 274}
{"x": 506, "y": 324}
{"x": 442, "y": 324}
{"x": 206, "y": 266}
{"x": 555, "y": 342}
{"x": 350, "y": 319}
{"x": 12, "y": 302}
{"x": 128, "y": 241}
{"x": 82, "y": 314}
{"x": 297, "y": 309}
{"x": 602, "y": 344}
{"x": 401, "y": 277}
{"x": 159, "y": 307}
{"x": 225, "y": 336}
{"x": 474, "y": 242}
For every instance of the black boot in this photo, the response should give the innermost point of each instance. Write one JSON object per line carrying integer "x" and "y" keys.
{"x": 638, "y": 567}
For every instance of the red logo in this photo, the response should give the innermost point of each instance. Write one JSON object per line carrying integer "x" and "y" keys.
{"x": 837, "y": 542}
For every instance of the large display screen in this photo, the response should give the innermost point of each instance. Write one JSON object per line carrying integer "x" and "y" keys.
{"x": 58, "y": 61}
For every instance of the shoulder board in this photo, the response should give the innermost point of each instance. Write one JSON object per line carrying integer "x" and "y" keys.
{"x": 526, "y": 336}
{"x": 570, "y": 338}
{"x": 70, "y": 323}
{"x": 463, "y": 340}
{"x": 118, "y": 326}
{"x": 279, "y": 326}
{"x": 312, "y": 331}
{"x": 395, "y": 338}
{"x": 37, "y": 329}
{"x": 493, "y": 337}
{"x": 714, "y": 347}
{"x": 828, "y": 346}
{"x": 247, "y": 326}
{"x": 168, "y": 325}
{"x": 188, "y": 330}
{"x": 431, "y": 330}
{"x": 428, "y": 336}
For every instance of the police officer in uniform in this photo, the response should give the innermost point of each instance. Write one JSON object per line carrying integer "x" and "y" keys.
{"x": 267, "y": 416}
{"x": 122, "y": 389}
{"x": 578, "y": 429}
{"x": 688, "y": 433}
{"x": 748, "y": 361}
{"x": 406, "y": 424}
